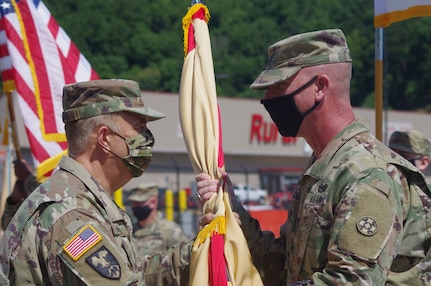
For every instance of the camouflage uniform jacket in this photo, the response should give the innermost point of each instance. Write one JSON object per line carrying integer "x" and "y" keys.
{"x": 357, "y": 206}
{"x": 158, "y": 236}
{"x": 69, "y": 231}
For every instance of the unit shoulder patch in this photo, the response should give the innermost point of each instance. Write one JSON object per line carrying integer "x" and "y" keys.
{"x": 104, "y": 263}
{"x": 367, "y": 226}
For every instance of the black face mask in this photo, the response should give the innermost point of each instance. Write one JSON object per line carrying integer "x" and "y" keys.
{"x": 284, "y": 112}
{"x": 413, "y": 160}
{"x": 141, "y": 212}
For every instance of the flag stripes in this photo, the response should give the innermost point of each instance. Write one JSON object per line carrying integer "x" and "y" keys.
{"x": 38, "y": 58}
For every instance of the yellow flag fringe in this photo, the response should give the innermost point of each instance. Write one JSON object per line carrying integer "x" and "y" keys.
{"x": 218, "y": 225}
{"x": 187, "y": 21}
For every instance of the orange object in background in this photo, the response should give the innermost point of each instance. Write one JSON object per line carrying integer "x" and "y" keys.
{"x": 270, "y": 219}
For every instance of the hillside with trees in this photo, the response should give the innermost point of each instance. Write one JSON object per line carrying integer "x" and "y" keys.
{"x": 143, "y": 40}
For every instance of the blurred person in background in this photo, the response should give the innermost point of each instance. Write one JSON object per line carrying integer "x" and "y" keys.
{"x": 414, "y": 146}
{"x": 25, "y": 183}
{"x": 152, "y": 231}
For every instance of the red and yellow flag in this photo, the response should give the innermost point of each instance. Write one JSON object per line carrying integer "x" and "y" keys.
{"x": 220, "y": 253}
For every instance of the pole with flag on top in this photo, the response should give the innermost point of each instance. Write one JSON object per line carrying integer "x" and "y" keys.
{"x": 387, "y": 12}
{"x": 38, "y": 59}
{"x": 221, "y": 245}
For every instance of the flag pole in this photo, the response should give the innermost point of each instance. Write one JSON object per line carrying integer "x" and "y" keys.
{"x": 14, "y": 132}
{"x": 378, "y": 81}
{"x": 8, "y": 181}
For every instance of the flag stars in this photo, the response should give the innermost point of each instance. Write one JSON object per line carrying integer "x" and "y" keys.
{"x": 5, "y": 5}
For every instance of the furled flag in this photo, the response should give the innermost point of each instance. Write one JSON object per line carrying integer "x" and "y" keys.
{"x": 387, "y": 12}
{"x": 37, "y": 59}
{"x": 220, "y": 255}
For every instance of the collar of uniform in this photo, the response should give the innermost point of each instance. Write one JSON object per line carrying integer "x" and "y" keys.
{"x": 319, "y": 168}
{"x": 72, "y": 166}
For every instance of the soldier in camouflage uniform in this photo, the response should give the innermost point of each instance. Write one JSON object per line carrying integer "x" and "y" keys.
{"x": 69, "y": 231}
{"x": 152, "y": 231}
{"x": 25, "y": 183}
{"x": 361, "y": 213}
{"x": 413, "y": 145}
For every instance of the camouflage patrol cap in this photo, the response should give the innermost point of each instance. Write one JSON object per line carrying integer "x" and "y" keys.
{"x": 411, "y": 141}
{"x": 143, "y": 192}
{"x": 96, "y": 97}
{"x": 288, "y": 56}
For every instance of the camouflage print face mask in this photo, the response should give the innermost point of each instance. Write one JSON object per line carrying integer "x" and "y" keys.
{"x": 139, "y": 157}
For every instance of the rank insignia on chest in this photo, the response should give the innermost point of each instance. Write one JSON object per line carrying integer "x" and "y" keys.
{"x": 83, "y": 241}
{"x": 317, "y": 196}
{"x": 322, "y": 188}
{"x": 105, "y": 263}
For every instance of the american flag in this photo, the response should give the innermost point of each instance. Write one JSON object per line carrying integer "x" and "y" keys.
{"x": 37, "y": 59}
{"x": 82, "y": 242}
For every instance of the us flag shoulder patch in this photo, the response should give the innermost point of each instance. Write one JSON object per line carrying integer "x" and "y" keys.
{"x": 83, "y": 241}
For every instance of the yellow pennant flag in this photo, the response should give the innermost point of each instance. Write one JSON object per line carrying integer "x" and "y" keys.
{"x": 387, "y": 12}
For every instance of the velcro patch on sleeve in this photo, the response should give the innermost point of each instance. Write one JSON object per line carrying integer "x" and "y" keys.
{"x": 84, "y": 240}
{"x": 369, "y": 226}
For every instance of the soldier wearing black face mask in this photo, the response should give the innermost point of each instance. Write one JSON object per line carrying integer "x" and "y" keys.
{"x": 360, "y": 214}
{"x": 414, "y": 146}
{"x": 152, "y": 231}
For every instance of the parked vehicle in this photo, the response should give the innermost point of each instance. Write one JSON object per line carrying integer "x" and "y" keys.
{"x": 247, "y": 194}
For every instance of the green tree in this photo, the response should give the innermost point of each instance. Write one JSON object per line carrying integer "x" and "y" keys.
{"x": 143, "y": 40}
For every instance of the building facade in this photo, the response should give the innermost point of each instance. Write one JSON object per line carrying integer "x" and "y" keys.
{"x": 255, "y": 153}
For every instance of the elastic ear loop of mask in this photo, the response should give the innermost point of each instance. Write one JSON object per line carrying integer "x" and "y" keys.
{"x": 128, "y": 159}
{"x": 292, "y": 94}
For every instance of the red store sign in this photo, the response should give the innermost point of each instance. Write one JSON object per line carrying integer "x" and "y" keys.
{"x": 267, "y": 132}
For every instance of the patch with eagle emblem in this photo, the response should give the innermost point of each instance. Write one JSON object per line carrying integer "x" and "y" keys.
{"x": 104, "y": 263}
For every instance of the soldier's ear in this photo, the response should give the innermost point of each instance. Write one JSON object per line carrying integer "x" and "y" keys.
{"x": 103, "y": 138}
{"x": 153, "y": 202}
{"x": 321, "y": 86}
{"x": 423, "y": 162}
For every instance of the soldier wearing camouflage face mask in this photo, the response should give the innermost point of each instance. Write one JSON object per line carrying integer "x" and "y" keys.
{"x": 361, "y": 214}
{"x": 69, "y": 231}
